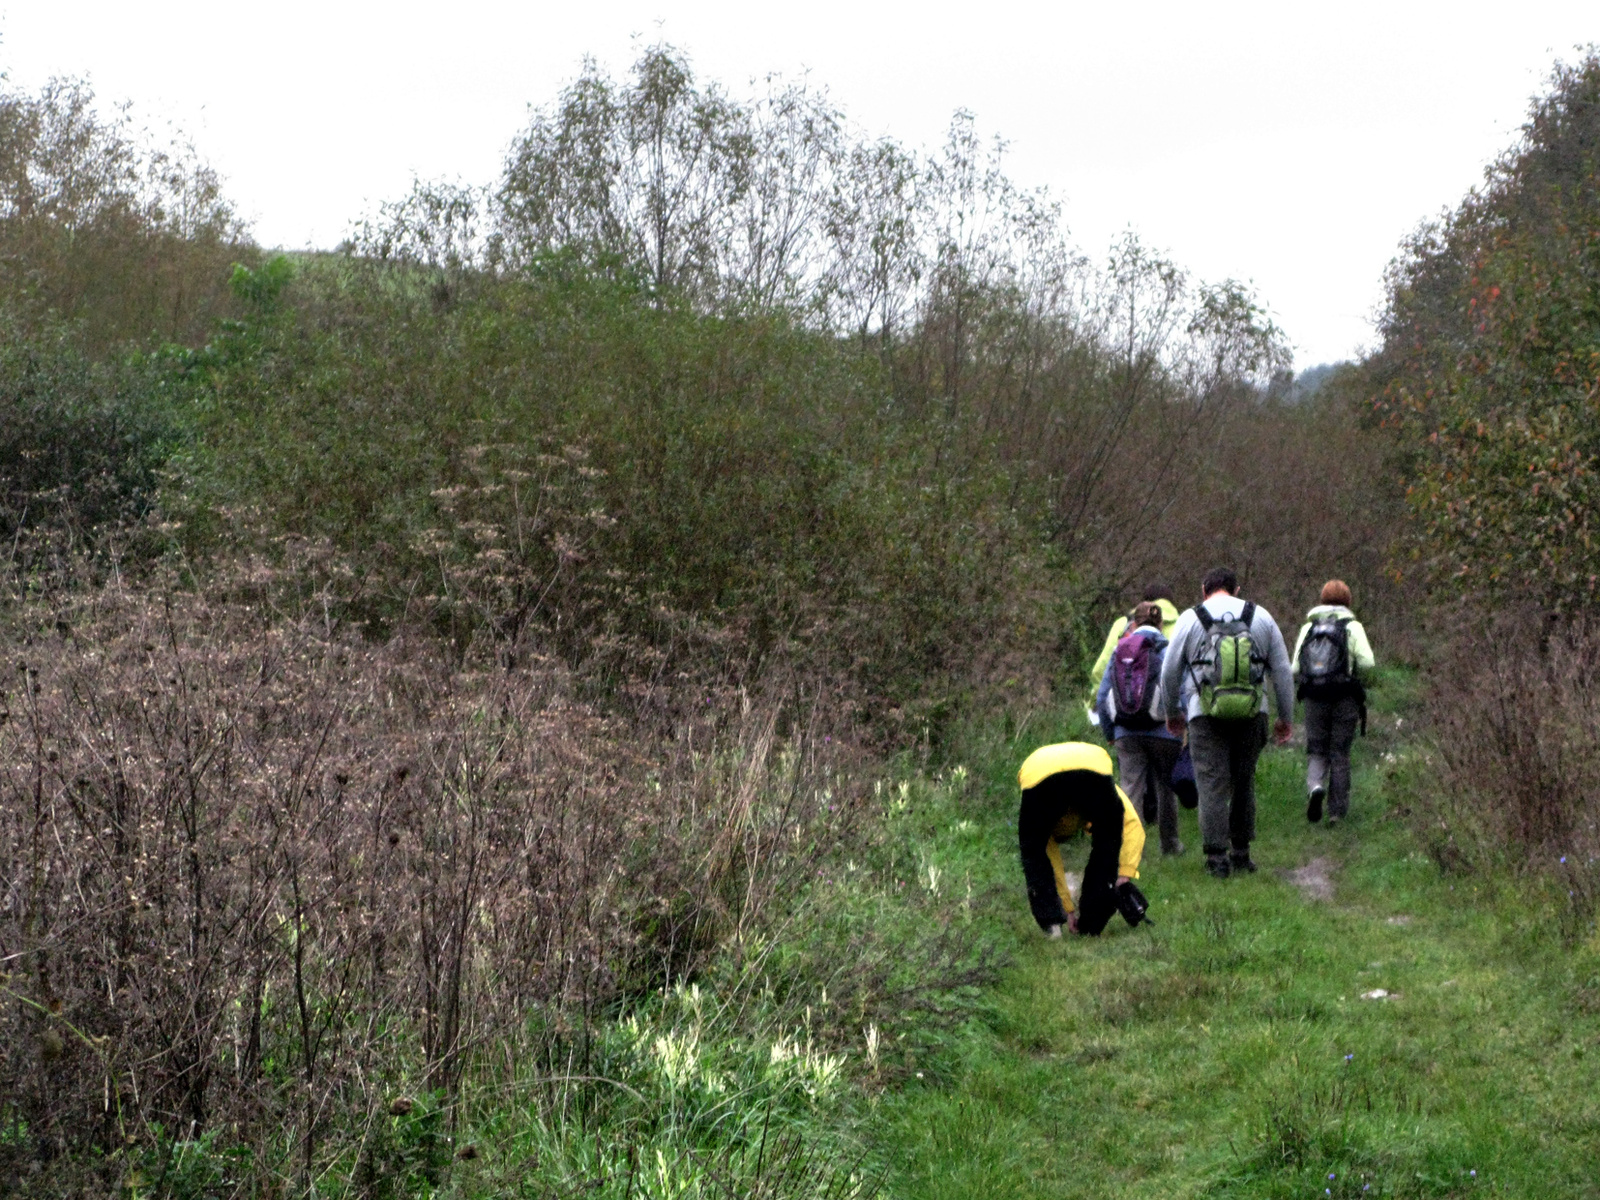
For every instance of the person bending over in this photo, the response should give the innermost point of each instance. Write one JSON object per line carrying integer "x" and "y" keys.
{"x": 1067, "y": 789}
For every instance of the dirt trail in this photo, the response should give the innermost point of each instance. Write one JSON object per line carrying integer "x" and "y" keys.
{"x": 1315, "y": 879}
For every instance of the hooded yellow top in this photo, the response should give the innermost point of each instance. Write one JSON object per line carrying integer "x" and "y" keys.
{"x": 1082, "y": 756}
{"x": 1063, "y": 756}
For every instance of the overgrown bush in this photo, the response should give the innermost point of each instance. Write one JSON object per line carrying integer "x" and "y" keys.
{"x": 1488, "y": 376}
{"x": 252, "y": 871}
{"x": 1117, "y": 413}
{"x": 740, "y": 474}
{"x": 82, "y": 441}
{"x": 1515, "y": 715}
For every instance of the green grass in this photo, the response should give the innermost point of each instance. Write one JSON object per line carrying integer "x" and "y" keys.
{"x": 1228, "y": 1052}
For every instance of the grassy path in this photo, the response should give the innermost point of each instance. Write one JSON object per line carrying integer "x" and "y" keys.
{"x": 1229, "y": 1051}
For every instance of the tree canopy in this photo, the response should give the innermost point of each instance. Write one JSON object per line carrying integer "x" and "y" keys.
{"x": 1490, "y": 364}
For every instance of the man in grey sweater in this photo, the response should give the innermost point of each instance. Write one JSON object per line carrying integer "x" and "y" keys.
{"x": 1225, "y": 749}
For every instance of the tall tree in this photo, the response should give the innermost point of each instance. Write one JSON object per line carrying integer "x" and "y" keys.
{"x": 1490, "y": 364}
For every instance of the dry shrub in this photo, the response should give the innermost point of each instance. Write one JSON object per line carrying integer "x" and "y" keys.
{"x": 1515, "y": 712}
{"x": 1289, "y": 496}
{"x": 257, "y": 875}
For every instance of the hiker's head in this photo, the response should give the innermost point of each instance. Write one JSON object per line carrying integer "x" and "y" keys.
{"x": 1336, "y": 591}
{"x": 1158, "y": 591}
{"x": 1147, "y": 613}
{"x": 1219, "y": 579}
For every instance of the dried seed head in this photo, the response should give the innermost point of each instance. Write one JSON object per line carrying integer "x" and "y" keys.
{"x": 51, "y": 1045}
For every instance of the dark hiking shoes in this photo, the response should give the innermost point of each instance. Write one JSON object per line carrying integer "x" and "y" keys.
{"x": 1217, "y": 866}
{"x": 1240, "y": 861}
{"x": 1173, "y": 850}
{"x": 1314, "y": 807}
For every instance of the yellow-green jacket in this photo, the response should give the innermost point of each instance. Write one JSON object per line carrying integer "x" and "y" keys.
{"x": 1063, "y": 759}
{"x": 1361, "y": 660}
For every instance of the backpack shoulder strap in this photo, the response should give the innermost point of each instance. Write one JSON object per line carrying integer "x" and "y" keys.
{"x": 1204, "y": 617}
{"x": 1248, "y": 616}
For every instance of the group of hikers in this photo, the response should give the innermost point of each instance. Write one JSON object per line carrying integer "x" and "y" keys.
{"x": 1183, "y": 699}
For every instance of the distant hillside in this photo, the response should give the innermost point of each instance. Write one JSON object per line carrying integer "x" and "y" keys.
{"x": 1311, "y": 381}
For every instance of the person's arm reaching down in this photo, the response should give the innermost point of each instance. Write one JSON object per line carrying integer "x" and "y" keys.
{"x": 1281, "y": 669}
{"x": 1282, "y": 672}
{"x": 1048, "y": 897}
{"x": 1298, "y": 642}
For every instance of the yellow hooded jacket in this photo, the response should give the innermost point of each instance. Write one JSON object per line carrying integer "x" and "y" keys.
{"x": 1169, "y": 621}
{"x": 1060, "y": 759}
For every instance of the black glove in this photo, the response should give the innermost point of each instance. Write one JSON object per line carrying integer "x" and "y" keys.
{"x": 1132, "y": 904}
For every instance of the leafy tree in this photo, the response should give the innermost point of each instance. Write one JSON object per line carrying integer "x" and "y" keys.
{"x": 701, "y": 194}
{"x": 1490, "y": 365}
{"x": 124, "y": 234}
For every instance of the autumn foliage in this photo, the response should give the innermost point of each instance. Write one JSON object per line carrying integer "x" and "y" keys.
{"x": 1490, "y": 365}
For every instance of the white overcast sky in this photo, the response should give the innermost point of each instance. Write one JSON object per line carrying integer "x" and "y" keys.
{"x": 1293, "y": 145}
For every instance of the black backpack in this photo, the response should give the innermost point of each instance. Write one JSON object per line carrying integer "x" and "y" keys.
{"x": 1324, "y": 665}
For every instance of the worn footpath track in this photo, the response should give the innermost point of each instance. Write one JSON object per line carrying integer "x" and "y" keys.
{"x": 1349, "y": 1021}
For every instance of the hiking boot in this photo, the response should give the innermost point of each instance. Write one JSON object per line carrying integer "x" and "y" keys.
{"x": 1240, "y": 861}
{"x": 1217, "y": 866}
{"x": 1314, "y": 807}
{"x": 1332, "y": 821}
{"x": 1173, "y": 850}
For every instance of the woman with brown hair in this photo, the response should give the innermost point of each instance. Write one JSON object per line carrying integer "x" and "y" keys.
{"x": 1332, "y": 660}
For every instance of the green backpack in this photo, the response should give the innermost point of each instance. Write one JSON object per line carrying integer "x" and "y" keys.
{"x": 1232, "y": 672}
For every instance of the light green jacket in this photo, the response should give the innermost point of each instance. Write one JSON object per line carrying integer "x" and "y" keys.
{"x": 1169, "y": 618}
{"x": 1361, "y": 660}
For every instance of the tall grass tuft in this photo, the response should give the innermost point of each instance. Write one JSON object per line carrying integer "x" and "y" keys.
{"x": 1515, "y": 716}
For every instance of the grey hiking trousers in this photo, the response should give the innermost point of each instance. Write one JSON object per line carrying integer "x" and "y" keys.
{"x": 1225, "y": 754}
{"x": 1147, "y": 760}
{"x": 1330, "y": 731}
